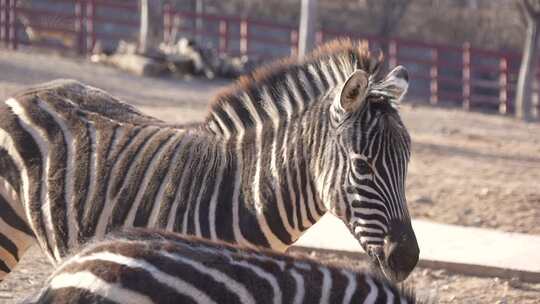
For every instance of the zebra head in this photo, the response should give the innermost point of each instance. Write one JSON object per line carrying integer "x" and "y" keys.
{"x": 375, "y": 148}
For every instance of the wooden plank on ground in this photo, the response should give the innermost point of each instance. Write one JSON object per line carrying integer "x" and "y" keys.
{"x": 466, "y": 250}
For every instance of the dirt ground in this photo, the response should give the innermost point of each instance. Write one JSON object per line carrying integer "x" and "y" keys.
{"x": 469, "y": 169}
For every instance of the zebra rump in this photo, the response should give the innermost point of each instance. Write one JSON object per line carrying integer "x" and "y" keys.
{"x": 149, "y": 266}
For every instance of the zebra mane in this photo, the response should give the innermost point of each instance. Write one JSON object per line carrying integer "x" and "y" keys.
{"x": 288, "y": 87}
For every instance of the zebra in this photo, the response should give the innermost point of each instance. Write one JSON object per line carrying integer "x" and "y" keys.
{"x": 277, "y": 150}
{"x": 143, "y": 266}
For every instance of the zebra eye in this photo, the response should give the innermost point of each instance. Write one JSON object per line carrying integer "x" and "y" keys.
{"x": 363, "y": 167}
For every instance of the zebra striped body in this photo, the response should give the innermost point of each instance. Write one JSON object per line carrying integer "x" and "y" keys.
{"x": 275, "y": 153}
{"x": 143, "y": 267}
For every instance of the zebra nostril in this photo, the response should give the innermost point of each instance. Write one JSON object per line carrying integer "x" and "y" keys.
{"x": 401, "y": 258}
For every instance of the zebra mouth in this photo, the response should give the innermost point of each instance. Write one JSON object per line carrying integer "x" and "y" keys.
{"x": 379, "y": 266}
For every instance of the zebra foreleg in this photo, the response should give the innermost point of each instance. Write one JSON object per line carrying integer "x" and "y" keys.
{"x": 15, "y": 235}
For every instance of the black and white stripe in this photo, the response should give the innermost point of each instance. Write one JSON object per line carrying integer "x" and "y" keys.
{"x": 141, "y": 266}
{"x": 274, "y": 154}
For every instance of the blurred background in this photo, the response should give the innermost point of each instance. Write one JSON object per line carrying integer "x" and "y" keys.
{"x": 472, "y": 108}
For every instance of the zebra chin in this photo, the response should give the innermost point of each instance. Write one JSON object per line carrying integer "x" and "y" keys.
{"x": 392, "y": 255}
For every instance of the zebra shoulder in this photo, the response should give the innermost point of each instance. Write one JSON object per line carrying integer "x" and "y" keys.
{"x": 85, "y": 98}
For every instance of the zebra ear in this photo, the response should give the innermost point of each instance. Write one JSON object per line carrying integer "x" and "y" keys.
{"x": 395, "y": 84}
{"x": 354, "y": 91}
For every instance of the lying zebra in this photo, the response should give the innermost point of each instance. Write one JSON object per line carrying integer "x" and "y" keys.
{"x": 278, "y": 150}
{"x": 142, "y": 266}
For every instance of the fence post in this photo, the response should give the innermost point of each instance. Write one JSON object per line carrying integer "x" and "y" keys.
{"x": 79, "y": 26}
{"x": 167, "y": 23}
{"x": 308, "y": 22}
{"x": 223, "y": 36}
{"x": 392, "y": 53}
{"x": 90, "y": 25}
{"x": 434, "y": 75}
{"x": 3, "y": 22}
{"x": 503, "y": 85}
{"x": 466, "y": 75}
{"x": 14, "y": 29}
{"x": 294, "y": 43}
{"x": 244, "y": 37}
{"x": 12, "y": 24}
{"x": 319, "y": 38}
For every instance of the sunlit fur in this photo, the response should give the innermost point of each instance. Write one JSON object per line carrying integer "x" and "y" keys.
{"x": 142, "y": 266}
{"x": 272, "y": 156}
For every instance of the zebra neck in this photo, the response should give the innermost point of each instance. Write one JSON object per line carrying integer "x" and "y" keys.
{"x": 273, "y": 178}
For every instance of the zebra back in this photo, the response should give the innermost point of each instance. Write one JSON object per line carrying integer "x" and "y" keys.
{"x": 150, "y": 266}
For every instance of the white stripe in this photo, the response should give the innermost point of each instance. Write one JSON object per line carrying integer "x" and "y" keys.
{"x": 275, "y": 242}
{"x": 202, "y": 188}
{"x": 180, "y": 192}
{"x": 224, "y": 127}
{"x": 359, "y": 229}
{"x": 273, "y": 112}
{"x": 300, "y": 288}
{"x": 372, "y": 295}
{"x": 95, "y": 141}
{"x": 236, "y": 287}
{"x": 351, "y": 286}
{"x": 291, "y": 83}
{"x": 175, "y": 283}
{"x": 337, "y": 71}
{"x": 158, "y": 201}
{"x": 40, "y": 138}
{"x": 69, "y": 185}
{"x": 287, "y": 104}
{"x": 149, "y": 172}
{"x": 238, "y": 177}
{"x": 9, "y": 194}
{"x": 389, "y": 295}
{"x": 86, "y": 280}
{"x": 7, "y": 143}
{"x": 269, "y": 277}
{"x": 306, "y": 84}
{"x": 21, "y": 240}
{"x": 215, "y": 195}
{"x": 317, "y": 78}
{"x": 110, "y": 202}
{"x": 326, "y": 287}
{"x": 325, "y": 70}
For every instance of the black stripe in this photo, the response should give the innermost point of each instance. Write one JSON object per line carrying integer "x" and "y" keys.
{"x": 175, "y": 185}
{"x": 31, "y": 157}
{"x": 212, "y": 171}
{"x": 148, "y": 200}
{"x": 140, "y": 161}
{"x": 224, "y": 204}
{"x": 11, "y": 218}
{"x": 9, "y": 246}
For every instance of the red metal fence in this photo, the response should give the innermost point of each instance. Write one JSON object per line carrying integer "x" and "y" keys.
{"x": 463, "y": 75}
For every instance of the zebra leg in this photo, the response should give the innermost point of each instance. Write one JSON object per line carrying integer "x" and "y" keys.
{"x": 15, "y": 235}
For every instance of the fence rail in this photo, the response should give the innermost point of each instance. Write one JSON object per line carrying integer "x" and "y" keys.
{"x": 443, "y": 74}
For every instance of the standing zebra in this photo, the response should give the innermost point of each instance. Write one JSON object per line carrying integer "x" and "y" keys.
{"x": 279, "y": 149}
{"x": 141, "y": 266}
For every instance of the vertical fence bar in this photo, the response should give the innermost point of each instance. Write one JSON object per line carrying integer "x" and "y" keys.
{"x": 466, "y": 75}
{"x": 167, "y": 23}
{"x": 79, "y": 26}
{"x": 392, "y": 53}
{"x": 294, "y": 43}
{"x": 503, "y": 85}
{"x": 535, "y": 96}
{"x": 244, "y": 37}
{"x": 434, "y": 76}
{"x": 223, "y": 36}
{"x": 3, "y": 22}
{"x": 319, "y": 38}
{"x": 13, "y": 24}
{"x": 90, "y": 25}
